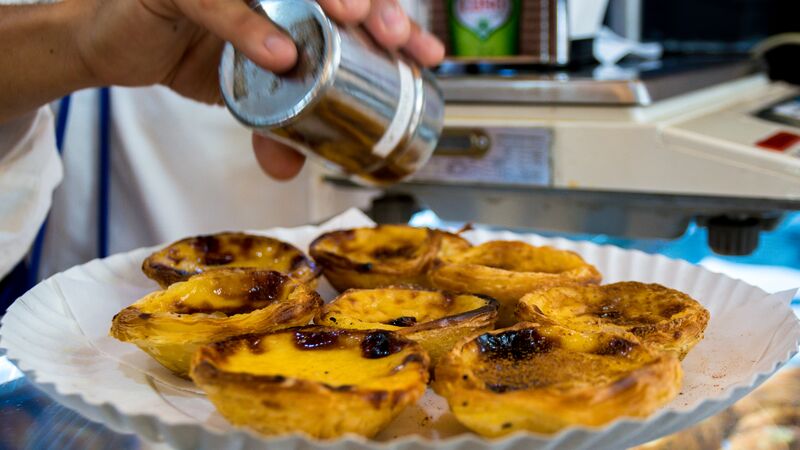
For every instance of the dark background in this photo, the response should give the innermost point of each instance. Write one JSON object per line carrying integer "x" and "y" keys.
{"x": 716, "y": 26}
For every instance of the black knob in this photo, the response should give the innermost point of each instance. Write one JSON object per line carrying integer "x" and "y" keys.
{"x": 733, "y": 236}
{"x": 393, "y": 208}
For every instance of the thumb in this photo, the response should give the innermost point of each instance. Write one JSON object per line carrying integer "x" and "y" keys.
{"x": 252, "y": 34}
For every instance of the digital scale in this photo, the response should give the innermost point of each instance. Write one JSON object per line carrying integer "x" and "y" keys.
{"x": 635, "y": 151}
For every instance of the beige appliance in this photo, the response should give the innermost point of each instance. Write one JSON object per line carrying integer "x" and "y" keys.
{"x": 639, "y": 150}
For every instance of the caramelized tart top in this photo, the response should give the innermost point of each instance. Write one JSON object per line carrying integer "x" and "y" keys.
{"x": 517, "y": 256}
{"x": 221, "y": 294}
{"x": 400, "y": 308}
{"x": 531, "y": 356}
{"x": 221, "y": 302}
{"x": 655, "y": 314}
{"x": 383, "y": 247}
{"x": 194, "y": 255}
{"x": 336, "y": 358}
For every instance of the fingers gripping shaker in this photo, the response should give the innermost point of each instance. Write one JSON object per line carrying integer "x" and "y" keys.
{"x": 367, "y": 112}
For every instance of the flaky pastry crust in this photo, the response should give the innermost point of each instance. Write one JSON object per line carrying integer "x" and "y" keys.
{"x": 435, "y": 319}
{"x": 507, "y": 270}
{"x": 380, "y": 256}
{"x": 171, "y": 324}
{"x": 188, "y": 257}
{"x": 543, "y": 378}
{"x": 320, "y": 381}
{"x": 664, "y": 318}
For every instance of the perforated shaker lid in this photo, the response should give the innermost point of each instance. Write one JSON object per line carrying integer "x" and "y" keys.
{"x": 259, "y": 98}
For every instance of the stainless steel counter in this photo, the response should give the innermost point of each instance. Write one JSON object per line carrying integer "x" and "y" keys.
{"x": 629, "y": 83}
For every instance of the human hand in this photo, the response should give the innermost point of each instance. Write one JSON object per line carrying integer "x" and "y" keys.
{"x": 178, "y": 43}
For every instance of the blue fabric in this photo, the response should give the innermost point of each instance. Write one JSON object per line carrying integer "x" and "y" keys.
{"x": 38, "y": 244}
{"x": 14, "y": 285}
{"x": 104, "y": 174}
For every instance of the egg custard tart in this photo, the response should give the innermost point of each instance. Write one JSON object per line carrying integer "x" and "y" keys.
{"x": 171, "y": 324}
{"x": 190, "y": 256}
{"x": 320, "y": 381}
{"x": 384, "y": 255}
{"x": 666, "y": 319}
{"x": 507, "y": 270}
{"x": 543, "y": 378}
{"x": 435, "y": 319}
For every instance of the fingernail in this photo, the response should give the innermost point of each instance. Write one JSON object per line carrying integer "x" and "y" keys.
{"x": 278, "y": 44}
{"x": 433, "y": 43}
{"x": 392, "y": 16}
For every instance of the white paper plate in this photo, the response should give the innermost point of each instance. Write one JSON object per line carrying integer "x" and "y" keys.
{"x": 57, "y": 333}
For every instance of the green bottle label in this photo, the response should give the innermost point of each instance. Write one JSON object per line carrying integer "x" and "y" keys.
{"x": 484, "y": 27}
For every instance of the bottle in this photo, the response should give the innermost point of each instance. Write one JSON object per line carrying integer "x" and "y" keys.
{"x": 484, "y": 27}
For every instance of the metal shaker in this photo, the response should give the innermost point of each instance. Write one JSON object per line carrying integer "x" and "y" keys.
{"x": 367, "y": 112}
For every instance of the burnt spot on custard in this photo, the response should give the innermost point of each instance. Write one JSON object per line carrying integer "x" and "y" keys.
{"x": 610, "y": 314}
{"x": 616, "y": 347}
{"x": 316, "y": 340}
{"x": 500, "y": 388}
{"x": 404, "y": 321}
{"x": 164, "y": 274}
{"x": 174, "y": 256}
{"x": 208, "y": 308}
{"x": 253, "y": 343}
{"x": 223, "y": 248}
{"x": 205, "y": 244}
{"x": 207, "y": 369}
{"x": 380, "y": 344}
{"x": 245, "y": 242}
{"x": 209, "y": 248}
{"x": 342, "y": 388}
{"x": 514, "y": 344}
{"x": 613, "y": 310}
{"x": 219, "y": 351}
{"x": 643, "y": 330}
{"x": 404, "y": 251}
{"x": 259, "y": 289}
{"x": 447, "y": 300}
{"x": 609, "y": 309}
{"x": 265, "y": 286}
{"x": 672, "y": 309}
{"x": 218, "y": 259}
